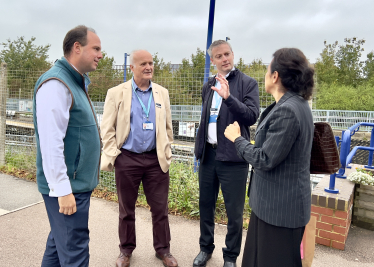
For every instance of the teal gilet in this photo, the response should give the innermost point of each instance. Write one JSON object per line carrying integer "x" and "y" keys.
{"x": 82, "y": 146}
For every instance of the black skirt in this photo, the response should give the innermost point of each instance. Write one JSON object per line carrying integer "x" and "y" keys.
{"x": 272, "y": 246}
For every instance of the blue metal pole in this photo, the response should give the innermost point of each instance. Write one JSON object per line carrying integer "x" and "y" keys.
{"x": 331, "y": 188}
{"x": 209, "y": 39}
{"x": 370, "y": 160}
{"x": 124, "y": 69}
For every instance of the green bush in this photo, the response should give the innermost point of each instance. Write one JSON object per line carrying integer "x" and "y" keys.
{"x": 344, "y": 97}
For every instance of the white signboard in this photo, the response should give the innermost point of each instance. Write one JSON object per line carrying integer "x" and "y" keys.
{"x": 186, "y": 129}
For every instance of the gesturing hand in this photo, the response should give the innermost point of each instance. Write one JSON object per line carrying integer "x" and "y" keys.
{"x": 224, "y": 92}
{"x": 67, "y": 204}
{"x": 232, "y": 131}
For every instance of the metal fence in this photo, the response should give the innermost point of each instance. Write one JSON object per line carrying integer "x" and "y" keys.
{"x": 17, "y": 141}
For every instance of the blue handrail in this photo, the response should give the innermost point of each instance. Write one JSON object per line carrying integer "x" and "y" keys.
{"x": 346, "y": 144}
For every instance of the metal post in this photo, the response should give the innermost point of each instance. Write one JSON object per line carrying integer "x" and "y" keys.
{"x": 125, "y": 69}
{"x": 3, "y": 96}
{"x": 331, "y": 188}
{"x": 370, "y": 160}
{"x": 209, "y": 39}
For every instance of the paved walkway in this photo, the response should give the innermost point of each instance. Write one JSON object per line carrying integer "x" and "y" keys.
{"x": 24, "y": 228}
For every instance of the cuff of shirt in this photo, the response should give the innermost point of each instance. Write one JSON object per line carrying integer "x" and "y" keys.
{"x": 60, "y": 189}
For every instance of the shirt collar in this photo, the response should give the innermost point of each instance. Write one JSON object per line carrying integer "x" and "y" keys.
{"x": 137, "y": 88}
{"x": 227, "y": 75}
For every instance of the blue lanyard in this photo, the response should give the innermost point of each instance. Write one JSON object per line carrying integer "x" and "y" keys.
{"x": 218, "y": 97}
{"x": 141, "y": 102}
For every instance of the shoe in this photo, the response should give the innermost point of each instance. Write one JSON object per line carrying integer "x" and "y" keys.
{"x": 201, "y": 259}
{"x": 229, "y": 264}
{"x": 167, "y": 259}
{"x": 123, "y": 260}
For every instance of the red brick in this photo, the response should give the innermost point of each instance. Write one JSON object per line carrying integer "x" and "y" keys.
{"x": 315, "y": 215}
{"x": 323, "y": 241}
{"x": 317, "y": 232}
{"x": 332, "y": 220}
{"x": 341, "y": 214}
{"x": 332, "y": 236}
{"x": 324, "y": 226}
{"x": 338, "y": 245}
{"x": 320, "y": 210}
{"x": 340, "y": 230}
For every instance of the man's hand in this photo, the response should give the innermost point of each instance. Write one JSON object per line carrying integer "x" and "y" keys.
{"x": 67, "y": 204}
{"x": 232, "y": 131}
{"x": 224, "y": 92}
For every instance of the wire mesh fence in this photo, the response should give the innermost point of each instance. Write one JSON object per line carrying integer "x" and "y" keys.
{"x": 17, "y": 141}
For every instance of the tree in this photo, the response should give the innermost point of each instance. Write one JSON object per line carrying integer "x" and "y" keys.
{"x": 347, "y": 59}
{"x": 21, "y": 54}
{"x": 369, "y": 68}
{"x": 105, "y": 77}
{"x": 242, "y": 66}
{"x": 25, "y": 63}
{"x": 326, "y": 70}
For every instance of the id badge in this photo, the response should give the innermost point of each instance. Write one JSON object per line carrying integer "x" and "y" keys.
{"x": 148, "y": 126}
{"x": 213, "y": 111}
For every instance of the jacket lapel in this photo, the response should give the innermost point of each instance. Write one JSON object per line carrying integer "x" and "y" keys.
{"x": 270, "y": 109}
{"x": 158, "y": 100}
{"x": 126, "y": 100}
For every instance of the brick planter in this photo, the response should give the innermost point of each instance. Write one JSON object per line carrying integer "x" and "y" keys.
{"x": 333, "y": 212}
{"x": 363, "y": 211}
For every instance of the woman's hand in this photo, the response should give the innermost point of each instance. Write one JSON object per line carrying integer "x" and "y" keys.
{"x": 232, "y": 131}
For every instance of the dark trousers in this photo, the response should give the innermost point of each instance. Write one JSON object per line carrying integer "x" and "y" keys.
{"x": 67, "y": 243}
{"x": 271, "y": 246}
{"x": 233, "y": 177}
{"x": 131, "y": 169}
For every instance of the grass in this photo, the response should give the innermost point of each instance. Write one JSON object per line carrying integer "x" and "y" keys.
{"x": 183, "y": 188}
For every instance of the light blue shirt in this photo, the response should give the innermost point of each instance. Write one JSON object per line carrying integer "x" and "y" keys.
{"x": 140, "y": 140}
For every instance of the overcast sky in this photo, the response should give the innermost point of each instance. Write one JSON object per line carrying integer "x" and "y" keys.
{"x": 175, "y": 29}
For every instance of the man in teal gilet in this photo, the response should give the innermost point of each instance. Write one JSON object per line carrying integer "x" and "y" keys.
{"x": 68, "y": 147}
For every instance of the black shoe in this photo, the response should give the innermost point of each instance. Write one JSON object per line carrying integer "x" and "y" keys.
{"x": 201, "y": 259}
{"x": 229, "y": 264}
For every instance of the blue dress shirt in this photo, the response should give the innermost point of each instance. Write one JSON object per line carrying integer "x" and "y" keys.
{"x": 140, "y": 140}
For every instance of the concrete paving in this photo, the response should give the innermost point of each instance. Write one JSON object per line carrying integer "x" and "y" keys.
{"x": 23, "y": 234}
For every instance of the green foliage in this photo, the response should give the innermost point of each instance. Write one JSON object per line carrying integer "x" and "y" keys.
{"x": 23, "y": 57}
{"x": 21, "y": 54}
{"x": 340, "y": 64}
{"x": 104, "y": 78}
{"x": 345, "y": 97}
{"x": 369, "y": 68}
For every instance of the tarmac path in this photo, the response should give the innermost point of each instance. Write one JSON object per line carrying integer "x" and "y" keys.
{"x": 24, "y": 228}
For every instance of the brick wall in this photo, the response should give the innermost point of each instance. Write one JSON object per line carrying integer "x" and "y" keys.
{"x": 333, "y": 212}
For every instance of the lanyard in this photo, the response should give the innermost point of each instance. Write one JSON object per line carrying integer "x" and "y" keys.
{"x": 218, "y": 97}
{"x": 141, "y": 102}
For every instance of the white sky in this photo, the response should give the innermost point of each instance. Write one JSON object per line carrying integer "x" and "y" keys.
{"x": 175, "y": 29}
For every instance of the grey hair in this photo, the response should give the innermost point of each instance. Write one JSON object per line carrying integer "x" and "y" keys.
{"x": 132, "y": 55}
{"x": 217, "y": 43}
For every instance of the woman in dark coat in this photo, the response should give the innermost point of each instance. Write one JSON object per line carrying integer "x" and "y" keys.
{"x": 279, "y": 190}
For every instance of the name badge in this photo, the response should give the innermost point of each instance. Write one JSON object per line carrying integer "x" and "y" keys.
{"x": 148, "y": 126}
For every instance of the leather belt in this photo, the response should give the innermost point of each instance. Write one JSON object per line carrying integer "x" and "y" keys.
{"x": 214, "y": 146}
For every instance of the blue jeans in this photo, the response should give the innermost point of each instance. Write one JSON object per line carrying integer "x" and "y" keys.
{"x": 67, "y": 243}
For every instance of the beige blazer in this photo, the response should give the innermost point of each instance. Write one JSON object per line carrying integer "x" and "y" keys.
{"x": 115, "y": 124}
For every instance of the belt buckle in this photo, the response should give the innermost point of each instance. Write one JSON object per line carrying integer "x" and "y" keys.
{"x": 214, "y": 146}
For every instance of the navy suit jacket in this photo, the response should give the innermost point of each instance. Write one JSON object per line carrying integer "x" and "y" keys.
{"x": 280, "y": 192}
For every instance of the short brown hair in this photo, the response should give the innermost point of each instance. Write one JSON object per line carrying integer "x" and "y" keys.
{"x": 78, "y": 34}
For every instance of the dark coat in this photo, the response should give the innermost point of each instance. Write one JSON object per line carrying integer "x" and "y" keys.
{"x": 280, "y": 192}
{"x": 242, "y": 106}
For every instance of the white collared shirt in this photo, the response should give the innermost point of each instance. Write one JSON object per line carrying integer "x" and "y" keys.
{"x": 53, "y": 101}
{"x": 212, "y": 126}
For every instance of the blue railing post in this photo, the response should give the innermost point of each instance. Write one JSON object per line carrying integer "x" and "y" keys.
{"x": 331, "y": 188}
{"x": 370, "y": 160}
{"x": 209, "y": 39}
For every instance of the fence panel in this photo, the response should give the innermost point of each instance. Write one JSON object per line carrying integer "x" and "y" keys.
{"x": 17, "y": 141}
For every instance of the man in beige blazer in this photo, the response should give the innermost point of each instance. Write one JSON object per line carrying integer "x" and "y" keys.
{"x": 137, "y": 135}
